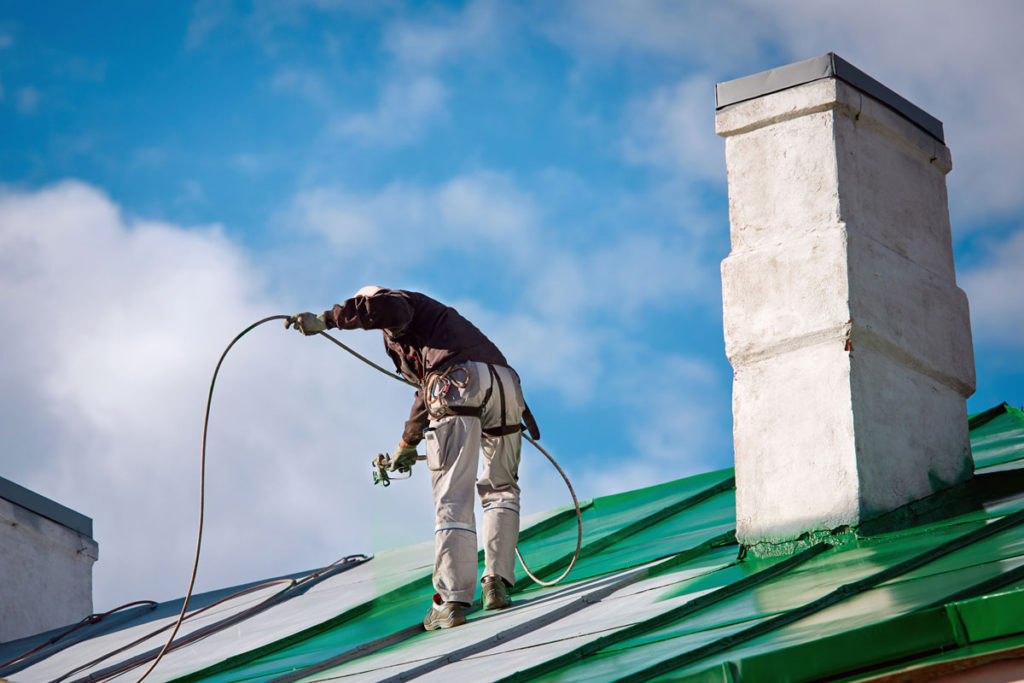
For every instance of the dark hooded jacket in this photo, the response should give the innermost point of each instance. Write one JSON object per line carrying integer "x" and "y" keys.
{"x": 421, "y": 335}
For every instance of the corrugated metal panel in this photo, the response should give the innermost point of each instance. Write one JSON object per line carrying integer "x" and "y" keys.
{"x": 660, "y": 593}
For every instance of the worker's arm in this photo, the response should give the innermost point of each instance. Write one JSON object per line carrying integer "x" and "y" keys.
{"x": 382, "y": 311}
{"x": 417, "y": 422}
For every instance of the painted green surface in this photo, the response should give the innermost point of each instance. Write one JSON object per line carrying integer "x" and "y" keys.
{"x": 943, "y": 631}
{"x": 1015, "y": 642}
{"x": 611, "y": 524}
{"x": 1000, "y": 440}
{"x": 993, "y": 616}
{"x": 876, "y": 601}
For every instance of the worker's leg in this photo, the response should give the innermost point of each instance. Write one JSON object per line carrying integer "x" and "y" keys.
{"x": 453, "y": 447}
{"x": 498, "y": 485}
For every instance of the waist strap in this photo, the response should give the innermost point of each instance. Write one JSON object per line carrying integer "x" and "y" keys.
{"x": 465, "y": 411}
{"x": 503, "y": 430}
{"x": 477, "y": 411}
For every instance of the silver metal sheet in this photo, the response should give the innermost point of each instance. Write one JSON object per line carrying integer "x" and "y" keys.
{"x": 829, "y": 65}
{"x": 44, "y": 507}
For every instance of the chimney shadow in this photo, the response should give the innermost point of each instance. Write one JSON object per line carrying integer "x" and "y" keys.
{"x": 961, "y": 499}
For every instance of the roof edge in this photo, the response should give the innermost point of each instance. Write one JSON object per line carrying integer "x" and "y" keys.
{"x": 44, "y": 507}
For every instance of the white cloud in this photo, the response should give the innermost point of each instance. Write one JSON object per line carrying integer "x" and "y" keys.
{"x": 488, "y": 204}
{"x": 445, "y": 35}
{"x": 956, "y": 60}
{"x": 674, "y": 128}
{"x": 675, "y": 410}
{"x": 993, "y": 288}
{"x": 192, "y": 192}
{"x": 28, "y": 100}
{"x": 470, "y": 212}
{"x": 112, "y": 327}
{"x": 350, "y": 221}
{"x": 305, "y": 83}
{"x": 581, "y": 293}
{"x": 207, "y": 16}
{"x": 550, "y": 352}
{"x": 414, "y": 98}
{"x": 477, "y": 213}
{"x": 623, "y": 276}
{"x": 406, "y": 108}
{"x": 252, "y": 163}
{"x": 711, "y": 33}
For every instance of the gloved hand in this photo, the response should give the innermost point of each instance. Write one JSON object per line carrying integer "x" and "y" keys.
{"x": 307, "y": 323}
{"x": 403, "y": 459}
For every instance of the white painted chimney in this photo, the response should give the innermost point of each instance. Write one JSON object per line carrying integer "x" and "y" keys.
{"x": 849, "y": 339}
{"x": 46, "y": 558}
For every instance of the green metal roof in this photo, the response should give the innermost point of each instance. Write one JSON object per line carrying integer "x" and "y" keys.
{"x": 661, "y": 592}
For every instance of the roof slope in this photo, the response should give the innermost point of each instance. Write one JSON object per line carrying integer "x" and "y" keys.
{"x": 660, "y": 593}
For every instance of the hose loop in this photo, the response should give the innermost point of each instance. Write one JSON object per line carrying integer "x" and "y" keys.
{"x": 202, "y": 484}
{"x": 568, "y": 484}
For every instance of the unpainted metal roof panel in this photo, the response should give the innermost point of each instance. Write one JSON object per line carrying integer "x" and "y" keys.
{"x": 607, "y": 516}
{"x": 642, "y": 615}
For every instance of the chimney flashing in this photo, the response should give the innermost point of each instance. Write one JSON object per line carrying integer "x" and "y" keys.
{"x": 826, "y": 66}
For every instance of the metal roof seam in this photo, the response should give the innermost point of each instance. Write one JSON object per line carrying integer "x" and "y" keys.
{"x": 944, "y": 504}
{"x": 353, "y": 613}
{"x": 589, "y": 598}
{"x": 361, "y": 650}
{"x": 62, "y": 642}
{"x": 956, "y": 623}
{"x": 596, "y": 546}
{"x": 838, "y": 595}
{"x": 987, "y": 416}
{"x": 576, "y": 605}
{"x": 670, "y": 616}
{"x": 345, "y": 617}
{"x": 883, "y": 652}
{"x": 995, "y": 583}
{"x": 553, "y": 521}
{"x": 950, "y": 667}
{"x": 720, "y": 541}
{"x": 294, "y": 589}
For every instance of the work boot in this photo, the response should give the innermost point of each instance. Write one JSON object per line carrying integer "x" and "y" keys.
{"x": 443, "y": 615}
{"x": 494, "y": 592}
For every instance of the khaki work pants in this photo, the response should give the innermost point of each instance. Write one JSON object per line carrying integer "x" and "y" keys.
{"x": 454, "y": 445}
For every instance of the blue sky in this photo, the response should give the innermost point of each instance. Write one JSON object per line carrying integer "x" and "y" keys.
{"x": 172, "y": 172}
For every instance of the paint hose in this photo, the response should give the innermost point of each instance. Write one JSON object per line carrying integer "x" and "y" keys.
{"x": 565, "y": 477}
{"x": 202, "y": 483}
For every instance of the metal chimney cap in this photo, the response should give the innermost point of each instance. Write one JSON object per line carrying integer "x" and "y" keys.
{"x": 829, "y": 65}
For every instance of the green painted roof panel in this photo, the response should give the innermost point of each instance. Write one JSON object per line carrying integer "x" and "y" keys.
{"x": 999, "y": 440}
{"x": 661, "y": 592}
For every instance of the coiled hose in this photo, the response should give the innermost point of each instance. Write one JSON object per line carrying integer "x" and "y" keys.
{"x": 202, "y": 483}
